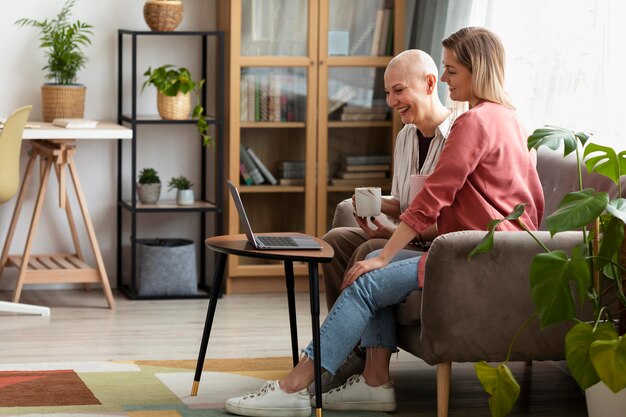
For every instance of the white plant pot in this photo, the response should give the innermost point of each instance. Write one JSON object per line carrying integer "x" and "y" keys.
{"x": 602, "y": 402}
{"x": 184, "y": 197}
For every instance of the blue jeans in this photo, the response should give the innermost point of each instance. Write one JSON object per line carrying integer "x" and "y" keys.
{"x": 364, "y": 311}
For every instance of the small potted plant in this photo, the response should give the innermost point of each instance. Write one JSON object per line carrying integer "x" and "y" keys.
{"x": 594, "y": 272}
{"x": 174, "y": 87}
{"x": 148, "y": 186}
{"x": 184, "y": 193}
{"x": 163, "y": 15}
{"x": 62, "y": 41}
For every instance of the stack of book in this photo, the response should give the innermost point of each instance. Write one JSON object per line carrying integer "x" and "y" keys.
{"x": 363, "y": 170}
{"x": 382, "y": 39}
{"x": 292, "y": 172}
{"x": 352, "y": 112}
{"x": 253, "y": 170}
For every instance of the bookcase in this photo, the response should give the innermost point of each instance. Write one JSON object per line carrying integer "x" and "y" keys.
{"x": 305, "y": 94}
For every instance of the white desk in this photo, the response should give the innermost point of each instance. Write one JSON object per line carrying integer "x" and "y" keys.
{"x": 56, "y": 146}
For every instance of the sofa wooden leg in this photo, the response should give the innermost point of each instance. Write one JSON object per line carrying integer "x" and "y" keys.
{"x": 443, "y": 388}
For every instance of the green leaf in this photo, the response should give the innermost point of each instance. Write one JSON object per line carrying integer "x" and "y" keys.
{"x": 486, "y": 243}
{"x": 577, "y": 209}
{"x": 552, "y": 137}
{"x": 611, "y": 241}
{"x": 609, "y": 360}
{"x": 578, "y": 343}
{"x": 617, "y": 208}
{"x": 501, "y": 385}
{"x": 603, "y": 160}
{"x": 550, "y": 275}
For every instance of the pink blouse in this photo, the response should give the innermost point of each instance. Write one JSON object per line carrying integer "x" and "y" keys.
{"x": 484, "y": 170}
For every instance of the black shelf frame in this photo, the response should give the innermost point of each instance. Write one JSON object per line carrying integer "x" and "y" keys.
{"x": 129, "y": 287}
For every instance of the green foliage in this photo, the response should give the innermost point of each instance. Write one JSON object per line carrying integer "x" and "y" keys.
{"x": 170, "y": 81}
{"x": 559, "y": 282}
{"x": 180, "y": 183}
{"x": 62, "y": 41}
{"x": 501, "y": 385}
{"x": 149, "y": 176}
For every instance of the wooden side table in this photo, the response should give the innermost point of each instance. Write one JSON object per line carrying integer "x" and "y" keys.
{"x": 238, "y": 245}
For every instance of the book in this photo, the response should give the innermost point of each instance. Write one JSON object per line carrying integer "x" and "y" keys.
{"x": 366, "y": 167}
{"x": 250, "y": 166}
{"x": 266, "y": 172}
{"x": 366, "y": 159}
{"x": 361, "y": 182}
{"x": 384, "y": 33}
{"x": 291, "y": 181}
{"x": 75, "y": 123}
{"x": 377, "y": 32}
{"x": 247, "y": 179}
{"x": 362, "y": 174}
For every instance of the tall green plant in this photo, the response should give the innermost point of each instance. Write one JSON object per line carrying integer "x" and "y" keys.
{"x": 594, "y": 351}
{"x": 62, "y": 41}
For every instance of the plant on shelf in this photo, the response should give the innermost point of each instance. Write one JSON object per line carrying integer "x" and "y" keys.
{"x": 595, "y": 351}
{"x": 174, "y": 87}
{"x": 184, "y": 193}
{"x": 62, "y": 42}
{"x": 148, "y": 186}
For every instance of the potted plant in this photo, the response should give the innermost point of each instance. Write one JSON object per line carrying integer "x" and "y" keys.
{"x": 174, "y": 87}
{"x": 163, "y": 15}
{"x": 62, "y": 40}
{"x": 148, "y": 186}
{"x": 184, "y": 193}
{"x": 596, "y": 350}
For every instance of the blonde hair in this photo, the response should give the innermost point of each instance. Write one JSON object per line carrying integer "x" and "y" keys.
{"x": 482, "y": 53}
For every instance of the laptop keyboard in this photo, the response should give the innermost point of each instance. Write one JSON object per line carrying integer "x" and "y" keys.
{"x": 276, "y": 241}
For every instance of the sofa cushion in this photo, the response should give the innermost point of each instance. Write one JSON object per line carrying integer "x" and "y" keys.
{"x": 409, "y": 312}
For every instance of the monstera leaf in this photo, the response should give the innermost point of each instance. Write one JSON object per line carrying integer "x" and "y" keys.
{"x": 501, "y": 385}
{"x": 552, "y": 137}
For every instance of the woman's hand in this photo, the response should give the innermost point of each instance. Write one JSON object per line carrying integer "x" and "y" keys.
{"x": 360, "y": 268}
{"x": 383, "y": 229}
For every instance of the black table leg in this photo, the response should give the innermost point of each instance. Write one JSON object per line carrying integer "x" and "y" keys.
{"x": 208, "y": 323}
{"x": 291, "y": 301}
{"x": 315, "y": 324}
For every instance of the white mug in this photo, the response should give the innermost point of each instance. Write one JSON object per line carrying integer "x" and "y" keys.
{"x": 367, "y": 201}
{"x": 416, "y": 183}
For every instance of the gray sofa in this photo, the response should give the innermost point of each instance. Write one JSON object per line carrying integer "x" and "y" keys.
{"x": 469, "y": 311}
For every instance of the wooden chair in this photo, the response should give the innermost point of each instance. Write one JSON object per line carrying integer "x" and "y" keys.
{"x": 10, "y": 145}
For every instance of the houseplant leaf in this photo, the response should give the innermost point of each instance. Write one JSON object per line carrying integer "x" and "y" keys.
{"x": 617, "y": 208}
{"x": 611, "y": 241}
{"x": 578, "y": 343}
{"x": 550, "y": 274}
{"x": 501, "y": 385}
{"x": 577, "y": 209}
{"x": 603, "y": 161}
{"x": 552, "y": 137}
{"x": 609, "y": 360}
{"x": 486, "y": 242}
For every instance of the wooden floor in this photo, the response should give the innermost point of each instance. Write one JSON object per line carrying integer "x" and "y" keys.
{"x": 81, "y": 328}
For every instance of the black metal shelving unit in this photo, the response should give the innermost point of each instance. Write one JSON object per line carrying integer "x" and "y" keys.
{"x": 203, "y": 206}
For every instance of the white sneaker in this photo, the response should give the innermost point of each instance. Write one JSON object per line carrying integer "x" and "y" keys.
{"x": 355, "y": 394}
{"x": 354, "y": 364}
{"x": 270, "y": 401}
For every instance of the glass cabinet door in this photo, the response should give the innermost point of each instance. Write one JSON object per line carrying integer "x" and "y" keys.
{"x": 360, "y": 27}
{"x": 274, "y": 27}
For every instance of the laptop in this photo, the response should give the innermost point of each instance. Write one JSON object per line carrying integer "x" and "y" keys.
{"x": 268, "y": 242}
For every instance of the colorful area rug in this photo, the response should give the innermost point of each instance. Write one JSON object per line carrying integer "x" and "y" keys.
{"x": 135, "y": 389}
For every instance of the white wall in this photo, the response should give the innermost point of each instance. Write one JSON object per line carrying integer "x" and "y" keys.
{"x": 21, "y": 78}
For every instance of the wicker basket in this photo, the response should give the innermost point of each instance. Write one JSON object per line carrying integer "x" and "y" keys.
{"x": 163, "y": 16}
{"x": 62, "y": 101}
{"x": 177, "y": 107}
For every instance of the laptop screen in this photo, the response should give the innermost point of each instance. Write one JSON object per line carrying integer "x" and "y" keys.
{"x": 243, "y": 217}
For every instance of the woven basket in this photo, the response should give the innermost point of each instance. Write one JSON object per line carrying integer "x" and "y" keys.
{"x": 62, "y": 101}
{"x": 163, "y": 16}
{"x": 177, "y": 107}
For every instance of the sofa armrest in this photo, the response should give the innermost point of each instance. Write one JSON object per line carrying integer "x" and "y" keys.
{"x": 344, "y": 216}
{"x": 471, "y": 310}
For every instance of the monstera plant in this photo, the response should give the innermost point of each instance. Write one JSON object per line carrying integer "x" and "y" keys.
{"x": 595, "y": 351}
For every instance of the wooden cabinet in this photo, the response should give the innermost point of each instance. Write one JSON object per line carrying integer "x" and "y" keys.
{"x": 295, "y": 66}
